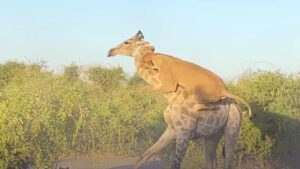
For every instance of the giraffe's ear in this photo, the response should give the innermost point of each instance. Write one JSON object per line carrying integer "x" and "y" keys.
{"x": 139, "y": 35}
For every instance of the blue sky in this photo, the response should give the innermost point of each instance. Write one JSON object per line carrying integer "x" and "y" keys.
{"x": 227, "y": 37}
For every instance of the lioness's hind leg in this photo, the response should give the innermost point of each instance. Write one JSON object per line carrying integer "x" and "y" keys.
{"x": 200, "y": 106}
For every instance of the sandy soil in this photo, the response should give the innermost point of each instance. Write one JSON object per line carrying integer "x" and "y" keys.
{"x": 104, "y": 163}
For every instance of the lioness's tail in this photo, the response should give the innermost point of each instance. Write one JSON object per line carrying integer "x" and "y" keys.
{"x": 235, "y": 97}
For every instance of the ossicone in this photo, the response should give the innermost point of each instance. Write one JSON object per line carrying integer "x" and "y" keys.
{"x": 139, "y": 35}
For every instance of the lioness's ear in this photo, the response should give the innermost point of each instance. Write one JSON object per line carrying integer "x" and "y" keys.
{"x": 147, "y": 58}
{"x": 139, "y": 35}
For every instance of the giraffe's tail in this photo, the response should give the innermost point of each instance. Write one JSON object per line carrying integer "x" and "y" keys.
{"x": 235, "y": 97}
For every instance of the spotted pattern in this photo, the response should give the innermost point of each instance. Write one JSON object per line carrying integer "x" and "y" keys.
{"x": 185, "y": 122}
{"x": 178, "y": 123}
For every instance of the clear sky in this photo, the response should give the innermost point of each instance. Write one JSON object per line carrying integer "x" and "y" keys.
{"x": 227, "y": 37}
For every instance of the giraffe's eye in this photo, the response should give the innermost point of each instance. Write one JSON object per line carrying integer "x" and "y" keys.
{"x": 126, "y": 43}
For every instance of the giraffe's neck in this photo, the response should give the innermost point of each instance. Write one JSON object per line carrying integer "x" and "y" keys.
{"x": 149, "y": 75}
{"x": 138, "y": 54}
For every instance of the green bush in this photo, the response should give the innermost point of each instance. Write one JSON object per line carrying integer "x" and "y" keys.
{"x": 275, "y": 99}
{"x": 44, "y": 115}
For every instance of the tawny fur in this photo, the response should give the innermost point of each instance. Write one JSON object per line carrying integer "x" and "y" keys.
{"x": 198, "y": 82}
{"x": 183, "y": 118}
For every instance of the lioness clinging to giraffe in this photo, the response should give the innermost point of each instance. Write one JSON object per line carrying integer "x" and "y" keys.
{"x": 184, "y": 119}
{"x": 200, "y": 83}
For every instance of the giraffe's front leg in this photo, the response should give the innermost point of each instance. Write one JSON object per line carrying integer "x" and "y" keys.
{"x": 163, "y": 141}
{"x": 181, "y": 146}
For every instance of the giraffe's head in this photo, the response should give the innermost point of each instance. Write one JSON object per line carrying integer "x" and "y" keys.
{"x": 131, "y": 45}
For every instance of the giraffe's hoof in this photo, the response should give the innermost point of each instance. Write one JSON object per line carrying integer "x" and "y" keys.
{"x": 138, "y": 163}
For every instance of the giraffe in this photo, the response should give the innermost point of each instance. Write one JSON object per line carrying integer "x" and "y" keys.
{"x": 184, "y": 119}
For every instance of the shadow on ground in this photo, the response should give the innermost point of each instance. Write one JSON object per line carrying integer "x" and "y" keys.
{"x": 285, "y": 132}
{"x": 148, "y": 165}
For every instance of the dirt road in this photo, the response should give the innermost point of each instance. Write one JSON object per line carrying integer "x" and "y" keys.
{"x": 103, "y": 163}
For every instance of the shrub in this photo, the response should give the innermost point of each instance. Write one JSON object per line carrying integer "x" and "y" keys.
{"x": 45, "y": 115}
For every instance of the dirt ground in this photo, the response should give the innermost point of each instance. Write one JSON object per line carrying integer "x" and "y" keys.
{"x": 104, "y": 163}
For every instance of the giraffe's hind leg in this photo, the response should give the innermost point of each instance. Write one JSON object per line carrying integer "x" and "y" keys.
{"x": 231, "y": 133}
{"x": 163, "y": 141}
{"x": 211, "y": 145}
{"x": 181, "y": 146}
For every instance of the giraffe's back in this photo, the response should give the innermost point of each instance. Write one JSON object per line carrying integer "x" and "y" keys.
{"x": 211, "y": 122}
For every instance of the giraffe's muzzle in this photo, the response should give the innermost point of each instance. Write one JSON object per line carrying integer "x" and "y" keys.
{"x": 110, "y": 53}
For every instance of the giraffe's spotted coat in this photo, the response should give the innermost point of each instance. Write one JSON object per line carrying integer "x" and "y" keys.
{"x": 185, "y": 122}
